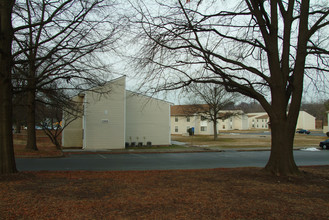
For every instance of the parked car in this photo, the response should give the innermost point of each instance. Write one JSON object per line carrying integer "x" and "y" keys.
{"x": 324, "y": 144}
{"x": 303, "y": 131}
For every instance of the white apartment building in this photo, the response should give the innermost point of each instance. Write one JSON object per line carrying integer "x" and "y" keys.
{"x": 184, "y": 117}
{"x": 261, "y": 120}
{"x": 118, "y": 118}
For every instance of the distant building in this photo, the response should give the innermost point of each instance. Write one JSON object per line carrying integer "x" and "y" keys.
{"x": 184, "y": 117}
{"x": 326, "y": 127}
{"x": 305, "y": 121}
{"x": 319, "y": 124}
{"x": 112, "y": 120}
{"x": 261, "y": 120}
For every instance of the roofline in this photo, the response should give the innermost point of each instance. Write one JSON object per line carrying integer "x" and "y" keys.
{"x": 138, "y": 93}
{"x": 83, "y": 93}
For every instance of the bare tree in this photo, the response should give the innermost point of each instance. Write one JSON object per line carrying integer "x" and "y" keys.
{"x": 7, "y": 158}
{"x": 317, "y": 109}
{"x": 59, "y": 42}
{"x": 326, "y": 105}
{"x": 250, "y": 107}
{"x": 216, "y": 99}
{"x": 261, "y": 49}
{"x": 52, "y": 114}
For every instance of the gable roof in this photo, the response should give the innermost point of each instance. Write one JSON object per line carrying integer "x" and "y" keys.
{"x": 151, "y": 98}
{"x": 188, "y": 109}
{"x": 262, "y": 117}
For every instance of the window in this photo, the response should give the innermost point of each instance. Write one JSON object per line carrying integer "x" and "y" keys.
{"x": 176, "y": 128}
{"x": 176, "y": 119}
{"x": 203, "y": 118}
{"x": 188, "y": 119}
{"x": 203, "y": 128}
{"x": 223, "y": 126}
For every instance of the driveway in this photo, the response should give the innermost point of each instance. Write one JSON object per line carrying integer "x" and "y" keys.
{"x": 165, "y": 161}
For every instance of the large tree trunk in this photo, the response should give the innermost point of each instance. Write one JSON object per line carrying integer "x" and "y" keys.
{"x": 281, "y": 161}
{"x": 215, "y": 130}
{"x": 31, "y": 133}
{"x": 7, "y": 158}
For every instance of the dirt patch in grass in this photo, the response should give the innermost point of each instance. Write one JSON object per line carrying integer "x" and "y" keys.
{"x": 241, "y": 193}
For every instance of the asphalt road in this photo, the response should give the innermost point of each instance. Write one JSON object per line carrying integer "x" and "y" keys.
{"x": 165, "y": 161}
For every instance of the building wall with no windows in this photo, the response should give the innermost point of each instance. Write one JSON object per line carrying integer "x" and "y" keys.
{"x": 147, "y": 120}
